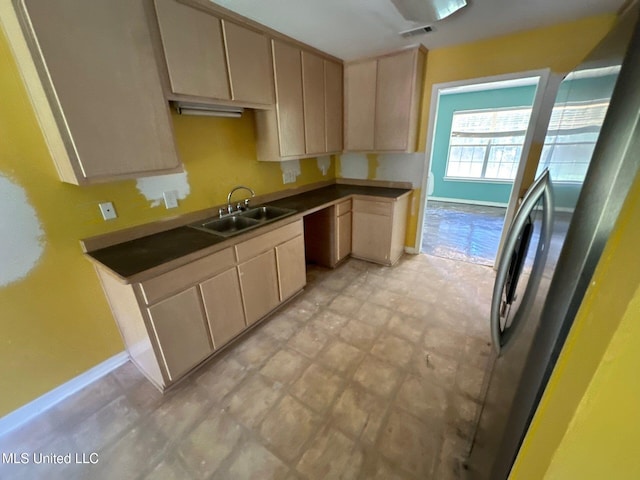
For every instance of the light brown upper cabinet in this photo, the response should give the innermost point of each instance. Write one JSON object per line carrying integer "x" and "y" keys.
{"x": 249, "y": 61}
{"x": 314, "y": 103}
{"x": 212, "y": 58}
{"x": 105, "y": 117}
{"x": 360, "y": 105}
{"x": 383, "y": 101}
{"x": 194, "y": 50}
{"x": 287, "y": 64}
{"x": 333, "y": 109}
{"x": 307, "y": 120}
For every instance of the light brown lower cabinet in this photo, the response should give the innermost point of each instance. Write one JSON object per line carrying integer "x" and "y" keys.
{"x": 259, "y": 282}
{"x": 343, "y": 236}
{"x": 292, "y": 274}
{"x": 223, "y": 305}
{"x": 172, "y": 322}
{"x": 180, "y": 327}
{"x": 378, "y": 228}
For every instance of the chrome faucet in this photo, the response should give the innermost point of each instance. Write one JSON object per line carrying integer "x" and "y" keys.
{"x": 241, "y": 205}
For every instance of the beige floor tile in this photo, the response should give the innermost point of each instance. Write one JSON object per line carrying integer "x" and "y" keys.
{"x": 170, "y": 468}
{"x": 377, "y": 376}
{"x": 106, "y": 424}
{"x": 288, "y": 426}
{"x": 341, "y": 357}
{"x": 137, "y": 452}
{"x": 359, "y": 290}
{"x": 320, "y": 295}
{"x": 255, "y": 349}
{"x": 301, "y": 309}
{"x": 317, "y": 387}
{"x": 408, "y": 327}
{"x": 427, "y": 401}
{"x": 309, "y": 341}
{"x": 254, "y": 463}
{"x": 329, "y": 321}
{"x": 469, "y": 380}
{"x": 444, "y": 341}
{"x": 358, "y": 413}
{"x": 181, "y": 411}
{"x": 219, "y": 378}
{"x": 328, "y": 456}
{"x": 345, "y": 305}
{"x": 206, "y": 447}
{"x": 280, "y": 327}
{"x": 374, "y": 315}
{"x": 285, "y": 366}
{"x": 251, "y": 401}
{"x": 359, "y": 334}
{"x": 385, "y": 298}
{"x": 434, "y": 368}
{"x": 409, "y": 443}
{"x": 393, "y": 350}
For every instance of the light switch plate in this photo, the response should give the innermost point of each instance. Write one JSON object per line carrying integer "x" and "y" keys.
{"x": 170, "y": 199}
{"x": 107, "y": 210}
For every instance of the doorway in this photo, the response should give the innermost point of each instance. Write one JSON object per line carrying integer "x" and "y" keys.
{"x": 479, "y": 131}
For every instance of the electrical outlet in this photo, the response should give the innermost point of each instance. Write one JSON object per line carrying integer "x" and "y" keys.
{"x": 289, "y": 177}
{"x": 170, "y": 199}
{"x": 107, "y": 210}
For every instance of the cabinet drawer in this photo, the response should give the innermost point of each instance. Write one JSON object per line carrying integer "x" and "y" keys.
{"x": 343, "y": 208}
{"x": 267, "y": 241}
{"x": 187, "y": 275}
{"x": 372, "y": 206}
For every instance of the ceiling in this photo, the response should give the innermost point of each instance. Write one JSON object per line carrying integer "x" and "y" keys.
{"x": 351, "y": 29}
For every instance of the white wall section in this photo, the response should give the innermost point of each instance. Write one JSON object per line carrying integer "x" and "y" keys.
{"x": 153, "y": 187}
{"x": 354, "y": 165}
{"x": 401, "y": 167}
{"x": 21, "y": 235}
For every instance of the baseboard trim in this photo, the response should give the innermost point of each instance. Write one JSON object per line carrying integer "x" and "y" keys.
{"x": 467, "y": 202}
{"x": 22, "y": 415}
{"x": 411, "y": 250}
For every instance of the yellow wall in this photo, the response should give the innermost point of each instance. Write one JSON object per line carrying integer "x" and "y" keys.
{"x": 589, "y": 417}
{"x": 55, "y": 323}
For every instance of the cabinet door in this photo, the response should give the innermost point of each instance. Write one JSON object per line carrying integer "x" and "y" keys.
{"x": 313, "y": 91}
{"x": 333, "y": 93}
{"x": 98, "y": 60}
{"x": 193, "y": 48}
{"x": 371, "y": 236}
{"x": 343, "y": 236}
{"x": 292, "y": 273}
{"x": 393, "y": 100}
{"x": 360, "y": 91}
{"x": 250, "y": 68}
{"x": 180, "y": 328}
{"x": 259, "y": 282}
{"x": 288, "y": 73}
{"x": 223, "y": 305}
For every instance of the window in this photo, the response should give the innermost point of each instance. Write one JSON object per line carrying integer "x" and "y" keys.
{"x": 571, "y": 139}
{"x": 487, "y": 144}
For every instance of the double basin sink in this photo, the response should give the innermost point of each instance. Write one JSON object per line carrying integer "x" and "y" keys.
{"x": 240, "y": 222}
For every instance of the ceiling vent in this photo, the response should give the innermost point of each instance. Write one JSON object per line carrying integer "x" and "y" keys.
{"x": 416, "y": 31}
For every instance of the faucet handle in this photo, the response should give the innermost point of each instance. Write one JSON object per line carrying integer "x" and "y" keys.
{"x": 221, "y": 212}
{"x": 246, "y": 203}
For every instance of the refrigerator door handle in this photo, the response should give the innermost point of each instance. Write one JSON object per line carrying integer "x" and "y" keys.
{"x": 542, "y": 188}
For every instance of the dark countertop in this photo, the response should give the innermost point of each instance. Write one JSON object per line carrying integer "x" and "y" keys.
{"x": 135, "y": 256}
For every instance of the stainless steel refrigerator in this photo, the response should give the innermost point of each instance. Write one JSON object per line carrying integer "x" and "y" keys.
{"x": 591, "y": 155}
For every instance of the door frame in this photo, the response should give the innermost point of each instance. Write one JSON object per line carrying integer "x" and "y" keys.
{"x": 543, "y": 79}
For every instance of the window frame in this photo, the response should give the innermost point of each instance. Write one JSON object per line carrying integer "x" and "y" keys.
{"x": 488, "y": 146}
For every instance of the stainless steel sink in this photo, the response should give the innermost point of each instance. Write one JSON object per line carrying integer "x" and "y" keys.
{"x": 242, "y": 221}
{"x": 266, "y": 213}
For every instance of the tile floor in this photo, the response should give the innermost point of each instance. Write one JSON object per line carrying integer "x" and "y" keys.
{"x": 470, "y": 233}
{"x": 371, "y": 373}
